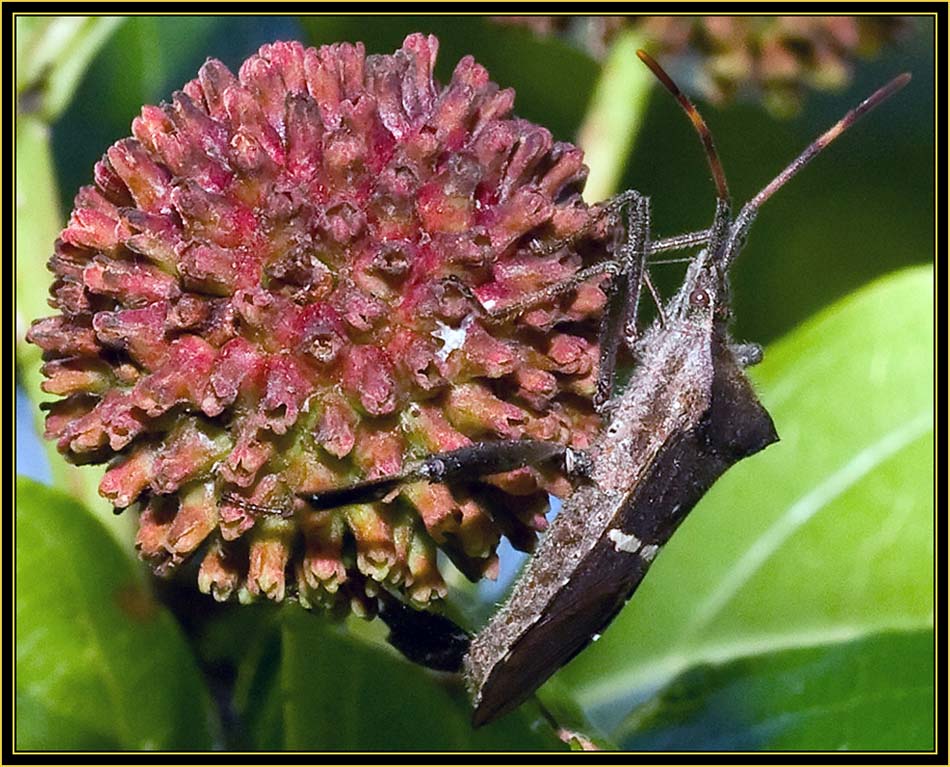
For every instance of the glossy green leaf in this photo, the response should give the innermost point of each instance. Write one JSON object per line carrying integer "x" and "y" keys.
{"x": 823, "y": 538}
{"x": 99, "y": 663}
{"x": 874, "y": 693}
{"x": 573, "y": 725}
{"x": 317, "y": 688}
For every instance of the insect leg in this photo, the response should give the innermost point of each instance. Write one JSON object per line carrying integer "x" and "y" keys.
{"x": 611, "y": 206}
{"x": 681, "y": 241}
{"x": 496, "y": 314}
{"x": 623, "y": 297}
{"x": 631, "y": 335}
{"x": 747, "y": 355}
{"x": 366, "y": 491}
{"x": 426, "y": 638}
{"x": 465, "y": 463}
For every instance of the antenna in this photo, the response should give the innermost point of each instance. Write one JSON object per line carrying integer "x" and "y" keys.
{"x": 880, "y": 95}
{"x": 742, "y": 222}
{"x": 705, "y": 135}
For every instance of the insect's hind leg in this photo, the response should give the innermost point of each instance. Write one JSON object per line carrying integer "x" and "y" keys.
{"x": 426, "y": 638}
{"x": 462, "y": 465}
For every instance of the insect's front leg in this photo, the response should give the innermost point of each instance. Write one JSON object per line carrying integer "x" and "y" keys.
{"x": 623, "y": 297}
{"x": 494, "y": 313}
{"x": 681, "y": 241}
{"x": 611, "y": 207}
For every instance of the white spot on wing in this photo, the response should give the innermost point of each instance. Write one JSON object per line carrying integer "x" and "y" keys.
{"x": 624, "y": 542}
{"x": 648, "y": 552}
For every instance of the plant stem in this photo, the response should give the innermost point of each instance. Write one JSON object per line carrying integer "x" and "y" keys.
{"x": 614, "y": 116}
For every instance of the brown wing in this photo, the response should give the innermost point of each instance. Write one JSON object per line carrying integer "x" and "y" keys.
{"x": 585, "y": 606}
{"x": 734, "y": 426}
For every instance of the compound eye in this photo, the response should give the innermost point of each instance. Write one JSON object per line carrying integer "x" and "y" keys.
{"x": 699, "y": 298}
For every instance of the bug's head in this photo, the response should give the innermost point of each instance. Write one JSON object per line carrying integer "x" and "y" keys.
{"x": 703, "y": 297}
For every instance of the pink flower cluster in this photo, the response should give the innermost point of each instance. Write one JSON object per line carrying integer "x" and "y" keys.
{"x": 258, "y": 298}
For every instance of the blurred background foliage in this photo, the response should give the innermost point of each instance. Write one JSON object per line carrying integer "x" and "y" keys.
{"x": 765, "y": 625}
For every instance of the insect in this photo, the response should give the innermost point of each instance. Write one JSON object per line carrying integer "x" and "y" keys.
{"x": 687, "y": 414}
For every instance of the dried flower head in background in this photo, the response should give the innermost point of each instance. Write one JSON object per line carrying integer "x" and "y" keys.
{"x": 774, "y": 59}
{"x": 256, "y": 300}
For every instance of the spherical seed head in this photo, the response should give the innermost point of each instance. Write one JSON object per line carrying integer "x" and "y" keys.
{"x": 259, "y": 299}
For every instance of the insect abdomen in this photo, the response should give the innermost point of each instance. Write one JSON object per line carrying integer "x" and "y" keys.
{"x": 734, "y": 426}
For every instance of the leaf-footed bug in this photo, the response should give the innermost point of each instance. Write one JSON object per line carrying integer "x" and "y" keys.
{"x": 687, "y": 414}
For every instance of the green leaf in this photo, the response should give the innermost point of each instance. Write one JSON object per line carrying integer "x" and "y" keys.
{"x": 99, "y": 664}
{"x": 52, "y": 55}
{"x": 874, "y": 693}
{"x": 614, "y": 115}
{"x": 823, "y": 538}
{"x": 573, "y": 725}
{"x": 37, "y": 224}
{"x": 315, "y": 687}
